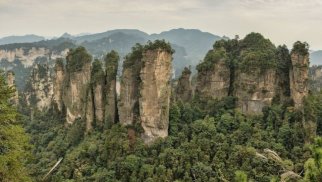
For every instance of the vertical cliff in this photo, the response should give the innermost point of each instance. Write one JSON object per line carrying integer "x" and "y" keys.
{"x": 315, "y": 77}
{"x": 96, "y": 92}
{"x": 12, "y": 84}
{"x": 89, "y": 110}
{"x": 111, "y": 65}
{"x": 155, "y": 90}
{"x": 129, "y": 87}
{"x": 59, "y": 74}
{"x": 183, "y": 89}
{"x": 39, "y": 88}
{"x": 255, "y": 74}
{"x": 76, "y": 83}
{"x": 145, "y": 89}
{"x": 282, "y": 73}
{"x": 213, "y": 79}
{"x": 299, "y": 73}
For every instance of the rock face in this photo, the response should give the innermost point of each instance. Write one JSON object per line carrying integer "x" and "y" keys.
{"x": 128, "y": 104}
{"x": 39, "y": 89}
{"x": 111, "y": 64}
{"x": 76, "y": 83}
{"x": 155, "y": 93}
{"x": 213, "y": 80}
{"x": 254, "y": 89}
{"x": 183, "y": 90}
{"x": 96, "y": 92}
{"x": 11, "y": 83}
{"x": 315, "y": 75}
{"x": 59, "y": 74}
{"x": 145, "y": 89}
{"x": 89, "y": 110}
{"x": 299, "y": 77}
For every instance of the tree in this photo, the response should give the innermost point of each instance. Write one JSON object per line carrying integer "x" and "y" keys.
{"x": 313, "y": 166}
{"x": 14, "y": 144}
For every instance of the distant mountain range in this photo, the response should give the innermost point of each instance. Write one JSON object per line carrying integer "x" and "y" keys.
{"x": 316, "y": 58}
{"x": 20, "y": 39}
{"x": 190, "y": 46}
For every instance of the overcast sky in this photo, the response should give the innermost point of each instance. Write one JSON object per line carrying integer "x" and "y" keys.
{"x": 283, "y": 21}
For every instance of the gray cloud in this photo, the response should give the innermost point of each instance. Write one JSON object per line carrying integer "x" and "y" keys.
{"x": 283, "y": 21}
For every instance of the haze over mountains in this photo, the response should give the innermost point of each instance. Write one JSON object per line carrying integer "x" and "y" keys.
{"x": 190, "y": 47}
{"x": 190, "y": 44}
{"x": 19, "y": 53}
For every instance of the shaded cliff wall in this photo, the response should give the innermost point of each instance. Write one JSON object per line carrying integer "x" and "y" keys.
{"x": 111, "y": 64}
{"x": 12, "y": 84}
{"x": 59, "y": 75}
{"x": 129, "y": 87}
{"x": 183, "y": 90}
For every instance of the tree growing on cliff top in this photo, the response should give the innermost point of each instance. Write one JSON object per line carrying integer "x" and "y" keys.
{"x": 301, "y": 48}
{"x": 76, "y": 58}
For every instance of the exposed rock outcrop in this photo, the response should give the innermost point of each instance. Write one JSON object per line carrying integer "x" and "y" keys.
{"x": 254, "y": 89}
{"x": 76, "y": 83}
{"x": 128, "y": 104}
{"x": 299, "y": 74}
{"x": 183, "y": 90}
{"x": 155, "y": 93}
{"x": 39, "y": 89}
{"x": 213, "y": 80}
{"x": 111, "y": 64}
{"x": 282, "y": 74}
{"x": 11, "y": 83}
{"x": 59, "y": 74}
{"x": 97, "y": 91}
{"x": 315, "y": 75}
{"x": 145, "y": 89}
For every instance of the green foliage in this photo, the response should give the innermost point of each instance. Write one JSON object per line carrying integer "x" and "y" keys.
{"x": 301, "y": 48}
{"x": 14, "y": 143}
{"x": 97, "y": 75}
{"x": 159, "y": 44}
{"x": 313, "y": 166}
{"x": 256, "y": 52}
{"x": 284, "y": 64}
{"x": 111, "y": 63}
{"x": 212, "y": 57}
{"x": 135, "y": 56}
{"x": 77, "y": 58}
{"x": 240, "y": 176}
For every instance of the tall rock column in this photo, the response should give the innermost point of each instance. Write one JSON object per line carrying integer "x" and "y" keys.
{"x": 213, "y": 80}
{"x": 111, "y": 63}
{"x": 299, "y": 73}
{"x": 155, "y": 92}
{"x": 129, "y": 87}
{"x": 183, "y": 90}
{"x": 39, "y": 88}
{"x": 255, "y": 74}
{"x": 97, "y": 91}
{"x": 77, "y": 80}
{"x": 59, "y": 74}
{"x": 12, "y": 84}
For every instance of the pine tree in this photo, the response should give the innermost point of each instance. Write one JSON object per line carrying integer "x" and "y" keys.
{"x": 14, "y": 143}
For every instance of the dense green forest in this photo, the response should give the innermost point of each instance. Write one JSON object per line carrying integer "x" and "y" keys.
{"x": 209, "y": 139}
